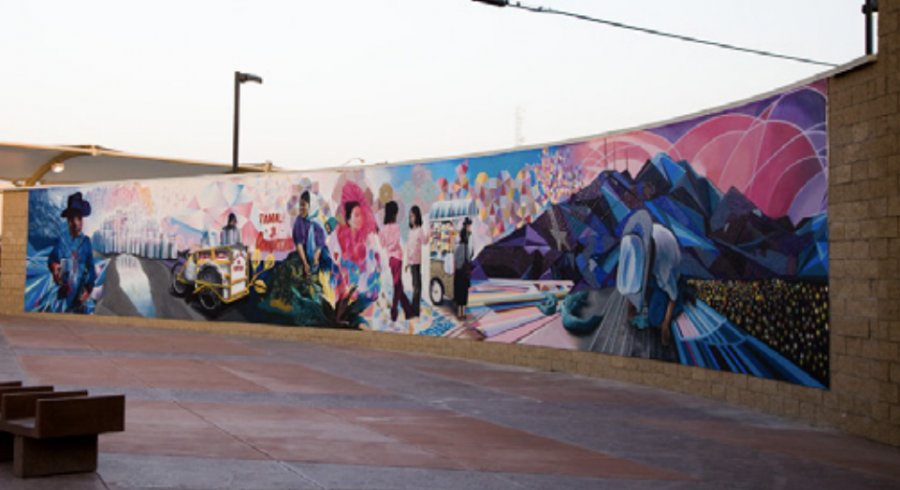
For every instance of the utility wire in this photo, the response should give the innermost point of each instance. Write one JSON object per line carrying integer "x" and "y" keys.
{"x": 545, "y": 10}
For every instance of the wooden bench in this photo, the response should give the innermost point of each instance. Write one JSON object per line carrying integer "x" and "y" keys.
{"x": 58, "y": 434}
{"x": 46, "y": 432}
{"x": 8, "y": 388}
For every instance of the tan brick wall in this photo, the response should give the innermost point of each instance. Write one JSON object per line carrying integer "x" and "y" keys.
{"x": 12, "y": 264}
{"x": 864, "y": 227}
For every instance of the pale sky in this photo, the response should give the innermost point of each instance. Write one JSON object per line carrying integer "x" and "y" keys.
{"x": 387, "y": 81}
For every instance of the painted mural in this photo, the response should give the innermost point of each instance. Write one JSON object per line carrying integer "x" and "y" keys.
{"x": 701, "y": 242}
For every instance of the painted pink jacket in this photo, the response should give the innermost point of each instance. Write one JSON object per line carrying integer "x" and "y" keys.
{"x": 418, "y": 238}
{"x": 390, "y": 241}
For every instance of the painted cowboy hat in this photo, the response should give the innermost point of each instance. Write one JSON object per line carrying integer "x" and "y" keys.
{"x": 634, "y": 257}
{"x": 77, "y": 206}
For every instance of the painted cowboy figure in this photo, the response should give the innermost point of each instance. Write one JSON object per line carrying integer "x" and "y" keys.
{"x": 71, "y": 260}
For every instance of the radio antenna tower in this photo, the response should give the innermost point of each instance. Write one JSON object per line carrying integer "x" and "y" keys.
{"x": 520, "y": 123}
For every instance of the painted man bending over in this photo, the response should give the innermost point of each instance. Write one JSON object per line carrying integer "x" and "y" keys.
{"x": 648, "y": 275}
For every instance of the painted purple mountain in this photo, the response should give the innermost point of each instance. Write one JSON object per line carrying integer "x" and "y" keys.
{"x": 722, "y": 235}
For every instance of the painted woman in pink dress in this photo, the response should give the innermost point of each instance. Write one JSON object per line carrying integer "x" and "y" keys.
{"x": 359, "y": 224}
{"x": 389, "y": 236}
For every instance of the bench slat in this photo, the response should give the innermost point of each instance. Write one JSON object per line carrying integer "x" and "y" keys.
{"x": 21, "y": 405}
{"x": 80, "y": 416}
{"x": 25, "y": 389}
{"x": 8, "y": 390}
{"x": 22, "y": 426}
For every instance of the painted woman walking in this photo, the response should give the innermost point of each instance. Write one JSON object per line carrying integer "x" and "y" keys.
{"x": 462, "y": 278}
{"x": 418, "y": 238}
{"x": 389, "y": 236}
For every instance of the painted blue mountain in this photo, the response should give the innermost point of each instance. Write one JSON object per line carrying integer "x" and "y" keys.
{"x": 723, "y": 235}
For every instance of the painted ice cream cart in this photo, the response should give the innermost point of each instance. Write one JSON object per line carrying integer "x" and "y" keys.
{"x": 214, "y": 275}
{"x": 445, "y": 220}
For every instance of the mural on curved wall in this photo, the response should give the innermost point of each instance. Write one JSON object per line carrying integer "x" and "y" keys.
{"x": 702, "y": 242}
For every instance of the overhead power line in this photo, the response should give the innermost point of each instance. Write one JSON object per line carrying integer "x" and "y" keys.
{"x": 545, "y": 10}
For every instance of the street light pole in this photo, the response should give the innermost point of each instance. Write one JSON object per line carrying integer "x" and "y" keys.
{"x": 239, "y": 78}
{"x": 869, "y": 8}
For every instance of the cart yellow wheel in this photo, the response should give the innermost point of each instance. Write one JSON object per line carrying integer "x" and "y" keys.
{"x": 209, "y": 300}
{"x": 179, "y": 287}
{"x": 436, "y": 292}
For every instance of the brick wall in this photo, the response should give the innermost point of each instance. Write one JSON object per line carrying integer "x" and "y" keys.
{"x": 864, "y": 227}
{"x": 12, "y": 264}
{"x": 864, "y": 230}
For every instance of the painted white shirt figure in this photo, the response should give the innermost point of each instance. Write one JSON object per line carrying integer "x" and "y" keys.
{"x": 667, "y": 261}
{"x": 649, "y": 254}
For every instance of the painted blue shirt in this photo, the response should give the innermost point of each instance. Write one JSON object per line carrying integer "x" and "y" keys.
{"x": 76, "y": 259}
{"x": 302, "y": 229}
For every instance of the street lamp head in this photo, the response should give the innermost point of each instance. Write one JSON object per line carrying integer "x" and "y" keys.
{"x": 248, "y": 77}
{"x": 496, "y": 3}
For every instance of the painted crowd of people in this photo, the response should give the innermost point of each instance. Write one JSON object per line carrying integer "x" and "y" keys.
{"x": 350, "y": 249}
{"x": 353, "y": 249}
{"x": 789, "y": 316}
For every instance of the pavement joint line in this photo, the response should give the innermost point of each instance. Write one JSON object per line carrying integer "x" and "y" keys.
{"x": 292, "y": 469}
{"x": 130, "y": 374}
{"x": 556, "y": 438}
{"x": 102, "y": 481}
{"x": 221, "y": 429}
{"x": 417, "y": 446}
{"x": 504, "y": 478}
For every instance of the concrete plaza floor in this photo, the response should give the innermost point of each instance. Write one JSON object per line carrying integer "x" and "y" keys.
{"x": 218, "y": 412}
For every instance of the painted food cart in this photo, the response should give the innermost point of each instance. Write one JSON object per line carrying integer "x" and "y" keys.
{"x": 445, "y": 220}
{"x": 215, "y": 275}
